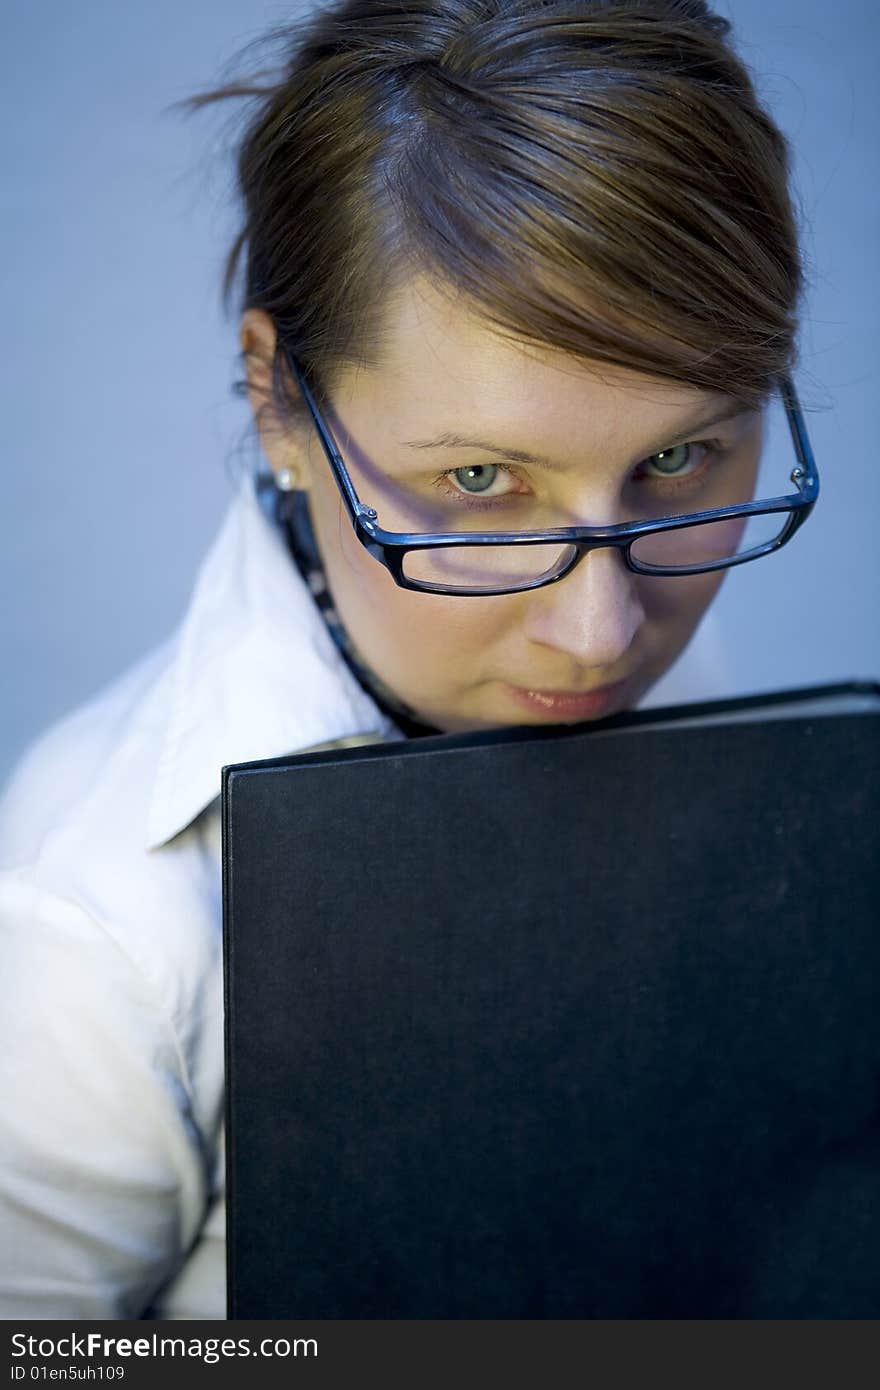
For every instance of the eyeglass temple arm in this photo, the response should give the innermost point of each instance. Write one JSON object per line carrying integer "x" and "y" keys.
{"x": 354, "y": 506}
{"x": 806, "y": 475}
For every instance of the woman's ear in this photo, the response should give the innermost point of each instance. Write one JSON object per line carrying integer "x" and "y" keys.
{"x": 285, "y": 449}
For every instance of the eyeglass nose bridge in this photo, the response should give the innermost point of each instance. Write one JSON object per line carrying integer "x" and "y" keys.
{"x": 583, "y": 547}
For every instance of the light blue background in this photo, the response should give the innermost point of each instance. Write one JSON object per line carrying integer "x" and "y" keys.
{"x": 119, "y": 429}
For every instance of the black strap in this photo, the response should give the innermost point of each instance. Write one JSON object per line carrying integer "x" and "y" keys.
{"x": 291, "y": 512}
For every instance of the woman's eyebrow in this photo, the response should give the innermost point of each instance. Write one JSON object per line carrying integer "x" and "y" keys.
{"x": 450, "y": 440}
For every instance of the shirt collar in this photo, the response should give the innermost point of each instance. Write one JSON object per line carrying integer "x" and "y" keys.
{"x": 255, "y": 673}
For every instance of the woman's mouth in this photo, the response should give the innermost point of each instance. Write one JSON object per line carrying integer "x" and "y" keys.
{"x": 557, "y": 706}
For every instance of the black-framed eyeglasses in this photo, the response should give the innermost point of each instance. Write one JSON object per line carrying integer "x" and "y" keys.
{"x": 487, "y": 563}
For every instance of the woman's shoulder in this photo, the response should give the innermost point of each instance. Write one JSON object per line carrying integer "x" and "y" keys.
{"x": 115, "y": 809}
{"x": 75, "y": 863}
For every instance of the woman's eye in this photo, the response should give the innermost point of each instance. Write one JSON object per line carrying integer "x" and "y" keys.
{"x": 477, "y": 478}
{"x": 481, "y": 484}
{"x": 672, "y": 463}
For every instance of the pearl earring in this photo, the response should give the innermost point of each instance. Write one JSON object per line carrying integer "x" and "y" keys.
{"x": 285, "y": 480}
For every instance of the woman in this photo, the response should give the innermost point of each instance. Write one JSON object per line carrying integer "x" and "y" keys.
{"x": 509, "y": 267}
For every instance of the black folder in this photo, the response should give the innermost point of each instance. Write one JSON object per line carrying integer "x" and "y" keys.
{"x": 572, "y": 1022}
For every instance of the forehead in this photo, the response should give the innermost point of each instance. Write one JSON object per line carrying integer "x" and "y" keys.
{"x": 444, "y": 367}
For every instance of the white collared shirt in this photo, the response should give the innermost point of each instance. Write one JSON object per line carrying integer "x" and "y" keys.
{"x": 111, "y": 1028}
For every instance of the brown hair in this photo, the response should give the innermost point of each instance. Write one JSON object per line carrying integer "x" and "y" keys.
{"x": 599, "y": 177}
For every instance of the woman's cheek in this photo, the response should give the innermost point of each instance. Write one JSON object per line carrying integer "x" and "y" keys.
{"x": 679, "y": 600}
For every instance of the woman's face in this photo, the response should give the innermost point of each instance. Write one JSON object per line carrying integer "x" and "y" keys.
{"x": 549, "y": 654}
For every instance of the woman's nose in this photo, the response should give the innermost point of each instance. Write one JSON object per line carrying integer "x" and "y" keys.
{"x": 592, "y": 614}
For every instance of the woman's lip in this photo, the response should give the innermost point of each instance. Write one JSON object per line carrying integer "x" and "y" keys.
{"x": 562, "y": 704}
